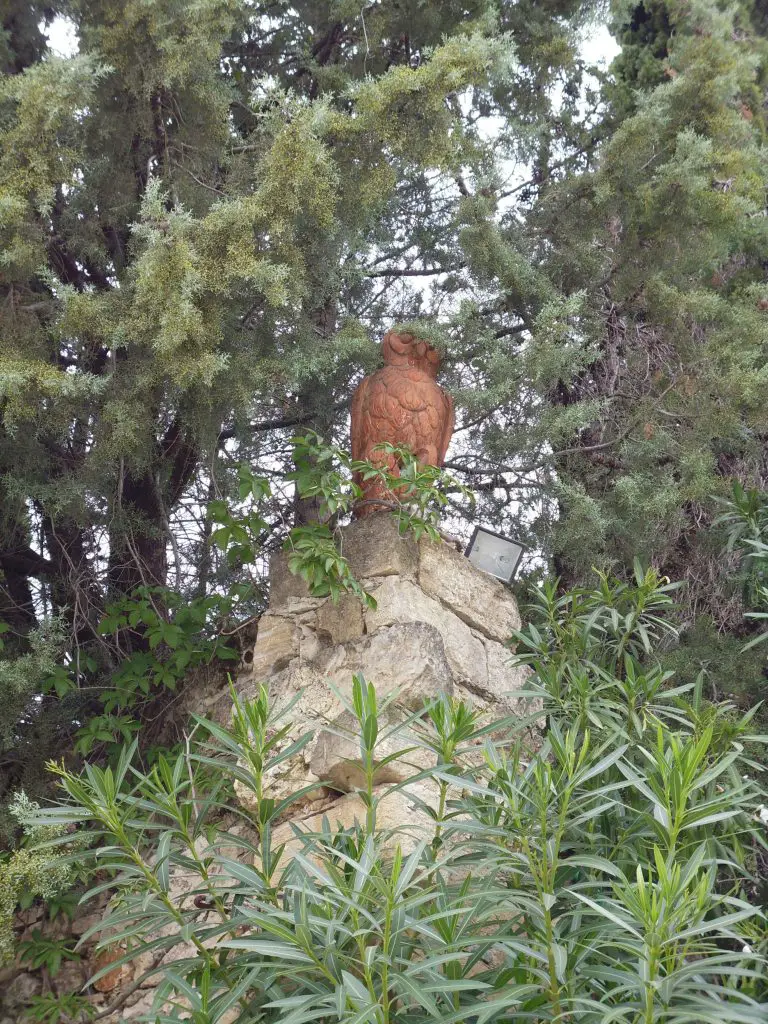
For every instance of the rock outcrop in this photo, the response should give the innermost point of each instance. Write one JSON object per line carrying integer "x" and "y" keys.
{"x": 439, "y": 626}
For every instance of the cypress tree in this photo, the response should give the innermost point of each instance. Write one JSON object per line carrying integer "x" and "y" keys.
{"x": 209, "y": 213}
{"x": 637, "y": 276}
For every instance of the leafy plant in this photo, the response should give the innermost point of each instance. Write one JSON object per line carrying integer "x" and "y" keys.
{"x": 43, "y": 951}
{"x": 176, "y": 635}
{"x": 591, "y": 650}
{"x": 65, "y": 903}
{"x": 59, "y": 1009}
{"x": 417, "y": 493}
{"x": 745, "y": 524}
{"x": 328, "y": 473}
{"x": 33, "y": 870}
{"x": 609, "y": 876}
{"x": 416, "y": 496}
{"x": 238, "y": 533}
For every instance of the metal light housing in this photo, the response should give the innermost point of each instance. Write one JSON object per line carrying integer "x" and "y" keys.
{"x": 495, "y": 554}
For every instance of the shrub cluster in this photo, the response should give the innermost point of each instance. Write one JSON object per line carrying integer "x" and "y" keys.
{"x": 612, "y": 875}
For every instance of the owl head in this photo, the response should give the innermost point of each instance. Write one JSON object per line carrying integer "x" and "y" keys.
{"x": 407, "y": 350}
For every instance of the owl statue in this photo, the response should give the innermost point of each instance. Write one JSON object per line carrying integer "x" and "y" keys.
{"x": 400, "y": 404}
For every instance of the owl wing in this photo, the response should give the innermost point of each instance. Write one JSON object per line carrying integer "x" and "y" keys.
{"x": 357, "y": 427}
{"x": 381, "y": 415}
{"x": 450, "y": 420}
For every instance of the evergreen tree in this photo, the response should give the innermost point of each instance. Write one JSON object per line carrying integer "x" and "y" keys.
{"x": 640, "y": 286}
{"x": 208, "y": 215}
{"x": 662, "y": 251}
{"x": 212, "y": 211}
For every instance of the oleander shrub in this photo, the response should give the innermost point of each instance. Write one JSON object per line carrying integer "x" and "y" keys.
{"x": 611, "y": 875}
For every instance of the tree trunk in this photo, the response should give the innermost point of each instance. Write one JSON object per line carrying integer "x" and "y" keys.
{"x": 138, "y": 537}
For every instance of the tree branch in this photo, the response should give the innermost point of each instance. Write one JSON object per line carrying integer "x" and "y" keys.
{"x": 26, "y": 562}
{"x": 277, "y": 424}
{"x": 414, "y": 273}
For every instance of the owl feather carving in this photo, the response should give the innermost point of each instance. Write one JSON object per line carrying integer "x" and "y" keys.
{"x": 403, "y": 405}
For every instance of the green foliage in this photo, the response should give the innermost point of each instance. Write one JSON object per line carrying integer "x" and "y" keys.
{"x": 647, "y": 313}
{"x": 208, "y": 214}
{"x": 42, "y": 951}
{"x": 314, "y": 556}
{"x": 21, "y": 676}
{"x": 417, "y": 495}
{"x": 59, "y": 1009}
{"x": 745, "y": 525}
{"x": 193, "y": 209}
{"x": 599, "y": 626}
{"x": 238, "y": 536}
{"x": 176, "y": 636}
{"x": 608, "y": 876}
{"x": 644, "y": 30}
{"x": 179, "y": 636}
{"x": 719, "y": 658}
{"x": 29, "y": 871}
{"x": 157, "y": 637}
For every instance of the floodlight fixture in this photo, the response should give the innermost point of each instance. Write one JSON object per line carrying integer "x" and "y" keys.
{"x": 495, "y": 554}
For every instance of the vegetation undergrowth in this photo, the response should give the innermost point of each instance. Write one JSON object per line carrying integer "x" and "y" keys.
{"x": 155, "y": 637}
{"x": 611, "y": 875}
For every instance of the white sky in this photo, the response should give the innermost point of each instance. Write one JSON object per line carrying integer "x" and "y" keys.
{"x": 62, "y": 37}
{"x": 599, "y": 46}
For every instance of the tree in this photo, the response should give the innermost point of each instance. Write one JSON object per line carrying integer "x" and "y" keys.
{"x": 678, "y": 318}
{"x": 639, "y": 278}
{"x": 209, "y": 212}
{"x": 655, "y": 381}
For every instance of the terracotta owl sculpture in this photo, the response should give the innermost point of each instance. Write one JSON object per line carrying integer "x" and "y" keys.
{"x": 400, "y": 404}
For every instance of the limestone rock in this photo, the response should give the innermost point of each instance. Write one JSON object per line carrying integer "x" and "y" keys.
{"x": 439, "y": 627}
{"x": 337, "y": 760}
{"x": 276, "y": 645}
{"x": 481, "y": 601}
{"x": 342, "y": 621}
{"x": 504, "y": 678}
{"x": 400, "y": 815}
{"x": 301, "y": 608}
{"x": 374, "y": 547}
{"x": 407, "y": 657}
{"x": 18, "y": 993}
{"x": 400, "y": 601}
{"x": 422, "y": 673}
{"x": 82, "y": 924}
{"x": 283, "y": 584}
